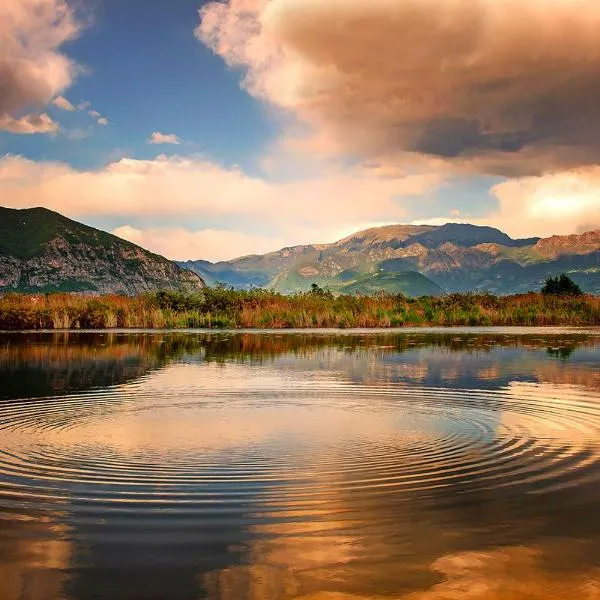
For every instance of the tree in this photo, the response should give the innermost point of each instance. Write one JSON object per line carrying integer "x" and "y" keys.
{"x": 317, "y": 290}
{"x": 562, "y": 285}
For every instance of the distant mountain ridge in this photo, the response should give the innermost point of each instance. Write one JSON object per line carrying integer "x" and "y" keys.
{"x": 41, "y": 250}
{"x": 452, "y": 257}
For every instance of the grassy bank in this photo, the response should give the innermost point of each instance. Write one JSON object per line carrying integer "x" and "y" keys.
{"x": 224, "y": 308}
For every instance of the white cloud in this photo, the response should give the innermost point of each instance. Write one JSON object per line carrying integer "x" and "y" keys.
{"x": 318, "y": 209}
{"x": 163, "y": 138}
{"x": 209, "y": 244}
{"x": 558, "y": 203}
{"x": 193, "y": 185}
{"x": 262, "y": 215}
{"x": 28, "y": 124}
{"x": 62, "y": 103}
{"x": 77, "y": 133}
{"x": 97, "y": 117}
{"x": 33, "y": 70}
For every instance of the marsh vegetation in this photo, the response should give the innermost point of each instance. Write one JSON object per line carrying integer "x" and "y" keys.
{"x": 220, "y": 307}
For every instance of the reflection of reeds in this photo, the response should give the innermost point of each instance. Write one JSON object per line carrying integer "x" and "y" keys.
{"x": 223, "y": 308}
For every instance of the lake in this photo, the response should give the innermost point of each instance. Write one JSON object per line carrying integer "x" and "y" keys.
{"x": 358, "y": 465}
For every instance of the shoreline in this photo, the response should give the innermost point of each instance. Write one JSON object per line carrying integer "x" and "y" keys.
{"x": 467, "y": 329}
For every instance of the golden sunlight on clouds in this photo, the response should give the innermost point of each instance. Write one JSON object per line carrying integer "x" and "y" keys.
{"x": 28, "y": 124}
{"x": 32, "y": 69}
{"x": 196, "y": 186}
{"x": 209, "y": 244}
{"x": 332, "y": 203}
{"x": 321, "y": 209}
{"x": 559, "y": 203}
{"x": 498, "y": 84}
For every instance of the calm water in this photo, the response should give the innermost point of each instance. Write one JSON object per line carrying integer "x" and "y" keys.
{"x": 245, "y": 466}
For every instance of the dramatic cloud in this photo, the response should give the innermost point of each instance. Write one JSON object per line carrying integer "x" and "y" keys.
{"x": 62, "y": 103}
{"x": 32, "y": 68}
{"x": 322, "y": 208}
{"x": 163, "y": 138}
{"x": 28, "y": 124}
{"x": 501, "y": 86}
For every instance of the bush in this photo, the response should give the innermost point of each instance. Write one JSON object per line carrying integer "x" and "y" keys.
{"x": 561, "y": 286}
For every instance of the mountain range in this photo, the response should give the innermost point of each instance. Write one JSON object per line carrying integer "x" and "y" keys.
{"x": 41, "y": 250}
{"x": 417, "y": 260}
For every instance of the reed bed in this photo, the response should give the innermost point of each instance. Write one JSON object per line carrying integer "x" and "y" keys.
{"x": 218, "y": 308}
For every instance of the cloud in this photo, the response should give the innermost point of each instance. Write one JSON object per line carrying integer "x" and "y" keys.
{"x": 62, "y": 103}
{"x": 262, "y": 215}
{"x": 32, "y": 68}
{"x": 77, "y": 133}
{"x": 557, "y": 203}
{"x": 560, "y": 203}
{"x": 210, "y": 244}
{"x": 495, "y": 85}
{"x": 322, "y": 208}
{"x": 163, "y": 138}
{"x": 28, "y": 124}
{"x": 96, "y": 115}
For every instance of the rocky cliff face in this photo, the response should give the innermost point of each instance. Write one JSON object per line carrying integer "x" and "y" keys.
{"x": 561, "y": 245}
{"x": 43, "y": 251}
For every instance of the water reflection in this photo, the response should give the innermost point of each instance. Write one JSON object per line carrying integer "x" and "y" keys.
{"x": 34, "y": 560}
{"x": 233, "y": 466}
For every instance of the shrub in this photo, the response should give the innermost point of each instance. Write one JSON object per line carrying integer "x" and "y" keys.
{"x": 562, "y": 285}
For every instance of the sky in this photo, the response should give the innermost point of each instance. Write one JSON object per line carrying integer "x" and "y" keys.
{"x": 211, "y": 130}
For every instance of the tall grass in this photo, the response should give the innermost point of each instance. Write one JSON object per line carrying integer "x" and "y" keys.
{"x": 225, "y": 308}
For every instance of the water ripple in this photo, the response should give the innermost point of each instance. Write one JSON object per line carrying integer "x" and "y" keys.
{"x": 401, "y": 439}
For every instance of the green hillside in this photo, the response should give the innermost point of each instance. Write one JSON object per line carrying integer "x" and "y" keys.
{"x": 41, "y": 250}
{"x": 25, "y": 233}
{"x": 409, "y": 283}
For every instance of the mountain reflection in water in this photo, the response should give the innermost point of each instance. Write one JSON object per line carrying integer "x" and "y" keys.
{"x": 321, "y": 466}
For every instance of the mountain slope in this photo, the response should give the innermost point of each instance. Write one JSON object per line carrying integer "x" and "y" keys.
{"x": 455, "y": 257}
{"x": 41, "y": 250}
{"x": 213, "y": 274}
{"x": 409, "y": 283}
